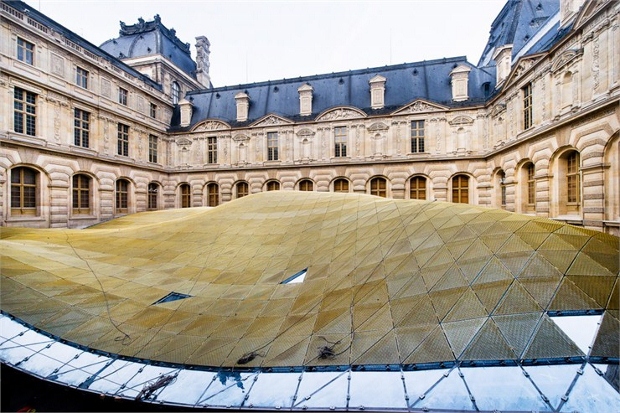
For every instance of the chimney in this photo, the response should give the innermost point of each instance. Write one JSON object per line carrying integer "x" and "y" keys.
{"x": 186, "y": 112}
{"x": 202, "y": 61}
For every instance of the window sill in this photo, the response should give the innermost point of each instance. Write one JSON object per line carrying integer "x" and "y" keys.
{"x": 25, "y": 218}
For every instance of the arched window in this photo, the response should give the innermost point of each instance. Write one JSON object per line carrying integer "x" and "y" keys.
{"x": 81, "y": 194}
{"x": 273, "y": 186}
{"x": 573, "y": 183}
{"x": 378, "y": 187}
{"x": 306, "y": 185}
{"x": 460, "y": 189}
{"x": 531, "y": 185}
{"x": 175, "y": 91}
{"x": 417, "y": 188}
{"x": 153, "y": 190}
{"x": 24, "y": 189}
{"x": 186, "y": 196}
{"x": 242, "y": 189}
{"x": 122, "y": 196}
{"x": 341, "y": 185}
{"x": 213, "y": 195}
{"x": 501, "y": 181}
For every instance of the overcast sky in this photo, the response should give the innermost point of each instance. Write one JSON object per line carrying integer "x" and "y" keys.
{"x": 254, "y": 41}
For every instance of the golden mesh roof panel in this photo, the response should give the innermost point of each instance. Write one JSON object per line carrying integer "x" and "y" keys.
{"x": 382, "y": 273}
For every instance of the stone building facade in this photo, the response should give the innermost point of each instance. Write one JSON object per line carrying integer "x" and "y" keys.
{"x": 93, "y": 133}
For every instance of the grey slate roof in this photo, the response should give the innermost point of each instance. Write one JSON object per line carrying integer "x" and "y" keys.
{"x": 149, "y": 39}
{"x": 428, "y": 80}
{"x": 86, "y": 45}
{"x": 517, "y": 23}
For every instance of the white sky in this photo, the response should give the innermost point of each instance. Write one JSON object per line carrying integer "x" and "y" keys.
{"x": 254, "y": 41}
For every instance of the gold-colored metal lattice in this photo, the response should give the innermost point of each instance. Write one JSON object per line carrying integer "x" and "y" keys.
{"x": 387, "y": 281}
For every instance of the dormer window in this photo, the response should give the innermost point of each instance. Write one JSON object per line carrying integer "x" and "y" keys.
{"x": 305, "y": 99}
{"x": 243, "y": 106}
{"x": 460, "y": 83}
{"x": 377, "y": 92}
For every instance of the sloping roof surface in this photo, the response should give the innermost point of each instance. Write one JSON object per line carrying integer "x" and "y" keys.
{"x": 429, "y": 80}
{"x": 516, "y": 24}
{"x": 150, "y": 39}
{"x": 388, "y": 282}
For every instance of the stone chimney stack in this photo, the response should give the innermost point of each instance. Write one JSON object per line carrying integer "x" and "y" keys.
{"x": 202, "y": 61}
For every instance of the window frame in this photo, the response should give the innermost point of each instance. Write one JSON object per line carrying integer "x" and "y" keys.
{"x": 417, "y": 136}
{"x": 25, "y": 51}
{"x": 460, "y": 191}
{"x": 531, "y": 184}
{"x": 272, "y": 185}
{"x": 573, "y": 179}
{"x": 152, "y": 196}
{"x": 24, "y": 112}
{"x": 213, "y": 194}
{"x": 212, "y": 149}
{"x": 245, "y": 189}
{"x": 273, "y": 146}
{"x": 341, "y": 139}
{"x": 81, "y": 194}
{"x": 306, "y": 185}
{"x": 81, "y": 77}
{"x": 153, "y": 110}
{"x": 27, "y": 193}
{"x": 416, "y": 190}
{"x": 153, "y": 148}
{"x": 185, "y": 191}
{"x": 175, "y": 92}
{"x": 528, "y": 111}
{"x": 81, "y": 128}
{"x": 376, "y": 188}
{"x": 338, "y": 185}
{"x": 123, "y": 96}
{"x": 121, "y": 196}
{"x": 122, "y": 147}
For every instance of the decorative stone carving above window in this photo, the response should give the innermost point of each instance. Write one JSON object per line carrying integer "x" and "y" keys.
{"x": 461, "y": 120}
{"x": 211, "y": 125}
{"x": 241, "y": 138}
{"x": 305, "y": 134}
{"x": 377, "y": 92}
{"x": 341, "y": 113}
{"x": 243, "y": 106}
{"x": 419, "y": 106}
{"x": 271, "y": 120}
{"x": 305, "y": 99}
{"x": 378, "y": 126}
{"x": 564, "y": 59}
{"x": 460, "y": 83}
{"x": 184, "y": 144}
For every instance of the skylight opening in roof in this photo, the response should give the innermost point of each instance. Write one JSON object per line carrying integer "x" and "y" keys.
{"x": 173, "y": 296}
{"x": 296, "y": 278}
{"x": 581, "y": 329}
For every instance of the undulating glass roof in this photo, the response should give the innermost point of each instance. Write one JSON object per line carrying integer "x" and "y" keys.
{"x": 340, "y": 285}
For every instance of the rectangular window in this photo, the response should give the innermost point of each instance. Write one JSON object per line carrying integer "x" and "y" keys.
{"x": 23, "y": 191}
{"x": 25, "y": 51}
{"x": 24, "y": 115}
{"x": 531, "y": 185}
{"x": 572, "y": 177}
{"x": 153, "y": 110}
{"x": 417, "y": 136}
{"x": 81, "y": 127}
{"x": 212, "y": 149}
{"x": 153, "y": 146}
{"x": 340, "y": 142}
{"x": 527, "y": 106}
{"x": 81, "y": 77}
{"x": 122, "y": 96}
{"x": 81, "y": 194}
{"x": 123, "y": 140}
{"x": 272, "y": 146}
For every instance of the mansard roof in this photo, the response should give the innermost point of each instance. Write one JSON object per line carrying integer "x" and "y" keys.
{"x": 81, "y": 42}
{"x": 149, "y": 39}
{"x": 428, "y": 80}
{"x": 519, "y": 22}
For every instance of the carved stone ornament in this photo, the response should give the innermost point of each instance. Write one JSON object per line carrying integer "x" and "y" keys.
{"x": 270, "y": 120}
{"x": 419, "y": 106}
{"x": 523, "y": 66}
{"x": 497, "y": 109}
{"x": 565, "y": 58}
{"x": 461, "y": 120}
{"x": 341, "y": 113}
{"x": 184, "y": 143}
{"x": 211, "y": 125}
{"x": 305, "y": 133}
{"x": 241, "y": 138}
{"x": 378, "y": 126}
